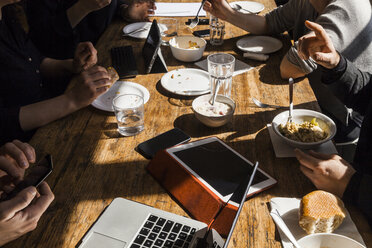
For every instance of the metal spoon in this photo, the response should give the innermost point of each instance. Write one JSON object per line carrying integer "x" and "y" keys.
{"x": 239, "y": 7}
{"x": 213, "y": 99}
{"x": 264, "y": 105}
{"x": 291, "y": 82}
{"x": 195, "y": 21}
{"x": 280, "y": 223}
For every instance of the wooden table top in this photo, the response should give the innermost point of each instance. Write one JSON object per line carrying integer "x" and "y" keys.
{"x": 94, "y": 164}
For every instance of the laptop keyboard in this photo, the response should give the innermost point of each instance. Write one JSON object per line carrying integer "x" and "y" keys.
{"x": 158, "y": 232}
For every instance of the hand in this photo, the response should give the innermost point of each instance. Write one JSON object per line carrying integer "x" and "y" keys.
{"x": 85, "y": 57}
{"x": 88, "y": 86}
{"x": 327, "y": 172}
{"x": 21, "y": 214}
{"x": 139, "y": 10}
{"x": 93, "y": 5}
{"x": 318, "y": 46}
{"x": 218, "y": 8}
{"x": 14, "y": 159}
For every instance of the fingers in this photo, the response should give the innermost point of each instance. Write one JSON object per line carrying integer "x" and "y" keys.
{"x": 318, "y": 29}
{"x": 321, "y": 156}
{"x": 86, "y": 55}
{"x": 307, "y": 172}
{"x": 41, "y": 203}
{"x": 306, "y": 159}
{"x": 10, "y": 168}
{"x": 21, "y": 152}
{"x": 23, "y": 199}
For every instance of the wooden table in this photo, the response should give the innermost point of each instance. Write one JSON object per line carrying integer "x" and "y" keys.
{"x": 94, "y": 164}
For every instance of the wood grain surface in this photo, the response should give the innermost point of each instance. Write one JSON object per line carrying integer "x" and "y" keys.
{"x": 94, "y": 164}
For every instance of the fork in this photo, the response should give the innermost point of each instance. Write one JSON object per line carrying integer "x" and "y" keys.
{"x": 135, "y": 31}
{"x": 195, "y": 21}
{"x": 264, "y": 105}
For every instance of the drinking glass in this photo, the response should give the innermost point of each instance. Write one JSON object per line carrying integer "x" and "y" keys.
{"x": 221, "y": 69}
{"x": 129, "y": 112}
{"x": 217, "y": 31}
{"x": 168, "y": 29}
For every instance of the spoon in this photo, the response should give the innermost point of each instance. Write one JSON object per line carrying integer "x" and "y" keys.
{"x": 280, "y": 223}
{"x": 195, "y": 21}
{"x": 213, "y": 99}
{"x": 291, "y": 82}
{"x": 239, "y": 7}
{"x": 264, "y": 105}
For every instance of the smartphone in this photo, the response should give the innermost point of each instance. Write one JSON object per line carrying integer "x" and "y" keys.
{"x": 201, "y": 33}
{"x": 35, "y": 175}
{"x": 173, "y": 137}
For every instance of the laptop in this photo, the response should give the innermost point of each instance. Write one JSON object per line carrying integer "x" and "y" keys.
{"x": 129, "y": 224}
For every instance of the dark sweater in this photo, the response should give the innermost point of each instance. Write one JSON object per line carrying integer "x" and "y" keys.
{"x": 51, "y": 31}
{"x": 354, "y": 88}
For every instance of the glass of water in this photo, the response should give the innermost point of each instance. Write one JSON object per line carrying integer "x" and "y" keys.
{"x": 217, "y": 31}
{"x": 129, "y": 112}
{"x": 168, "y": 29}
{"x": 221, "y": 69}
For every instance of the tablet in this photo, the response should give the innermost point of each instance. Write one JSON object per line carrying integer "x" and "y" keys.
{"x": 219, "y": 167}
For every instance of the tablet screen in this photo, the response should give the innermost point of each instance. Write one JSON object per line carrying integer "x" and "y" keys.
{"x": 218, "y": 165}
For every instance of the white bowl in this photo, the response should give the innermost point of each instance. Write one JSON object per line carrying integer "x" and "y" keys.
{"x": 328, "y": 240}
{"x": 299, "y": 116}
{"x": 213, "y": 121}
{"x": 180, "y": 48}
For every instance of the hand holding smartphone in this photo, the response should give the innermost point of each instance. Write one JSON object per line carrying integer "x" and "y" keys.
{"x": 173, "y": 137}
{"x": 34, "y": 176}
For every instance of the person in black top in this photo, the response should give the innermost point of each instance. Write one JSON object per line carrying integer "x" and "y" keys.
{"x": 21, "y": 213}
{"x": 354, "y": 88}
{"x": 57, "y": 26}
{"x": 31, "y": 86}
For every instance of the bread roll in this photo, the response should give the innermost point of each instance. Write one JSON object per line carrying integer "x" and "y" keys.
{"x": 321, "y": 212}
{"x": 113, "y": 74}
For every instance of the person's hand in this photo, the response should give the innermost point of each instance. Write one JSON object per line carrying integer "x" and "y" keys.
{"x": 7, "y": 2}
{"x": 15, "y": 157}
{"x": 88, "y": 86}
{"x": 21, "y": 214}
{"x": 93, "y": 5}
{"x": 327, "y": 172}
{"x": 85, "y": 57}
{"x": 218, "y": 8}
{"x": 318, "y": 46}
{"x": 139, "y": 10}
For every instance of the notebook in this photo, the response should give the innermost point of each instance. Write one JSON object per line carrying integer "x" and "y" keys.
{"x": 126, "y": 223}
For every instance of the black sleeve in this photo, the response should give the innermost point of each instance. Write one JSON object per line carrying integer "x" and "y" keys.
{"x": 352, "y": 86}
{"x": 50, "y": 29}
{"x": 10, "y": 128}
{"x": 359, "y": 193}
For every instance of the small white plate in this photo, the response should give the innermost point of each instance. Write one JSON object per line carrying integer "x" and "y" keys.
{"x": 248, "y": 7}
{"x": 259, "y": 44}
{"x": 104, "y": 102}
{"x": 186, "y": 82}
{"x": 140, "y": 25}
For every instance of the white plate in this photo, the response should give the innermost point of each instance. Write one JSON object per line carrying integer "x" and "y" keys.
{"x": 249, "y": 7}
{"x": 259, "y": 44}
{"x": 186, "y": 82}
{"x": 104, "y": 102}
{"x": 139, "y": 25}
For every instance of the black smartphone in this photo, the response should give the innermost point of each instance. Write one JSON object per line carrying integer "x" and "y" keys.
{"x": 202, "y": 21}
{"x": 173, "y": 137}
{"x": 35, "y": 175}
{"x": 201, "y": 33}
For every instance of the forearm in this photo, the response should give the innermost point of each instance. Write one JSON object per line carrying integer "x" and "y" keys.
{"x": 41, "y": 113}
{"x": 54, "y": 68}
{"x": 252, "y": 23}
{"x": 76, "y": 13}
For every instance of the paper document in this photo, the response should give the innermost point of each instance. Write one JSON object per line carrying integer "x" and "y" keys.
{"x": 178, "y": 9}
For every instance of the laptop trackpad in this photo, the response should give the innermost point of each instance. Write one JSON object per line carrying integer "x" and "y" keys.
{"x": 97, "y": 240}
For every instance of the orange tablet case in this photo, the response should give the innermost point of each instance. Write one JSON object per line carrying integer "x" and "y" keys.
{"x": 195, "y": 198}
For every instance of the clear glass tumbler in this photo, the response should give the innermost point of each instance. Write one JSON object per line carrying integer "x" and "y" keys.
{"x": 217, "y": 31}
{"x": 168, "y": 29}
{"x": 221, "y": 69}
{"x": 129, "y": 112}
